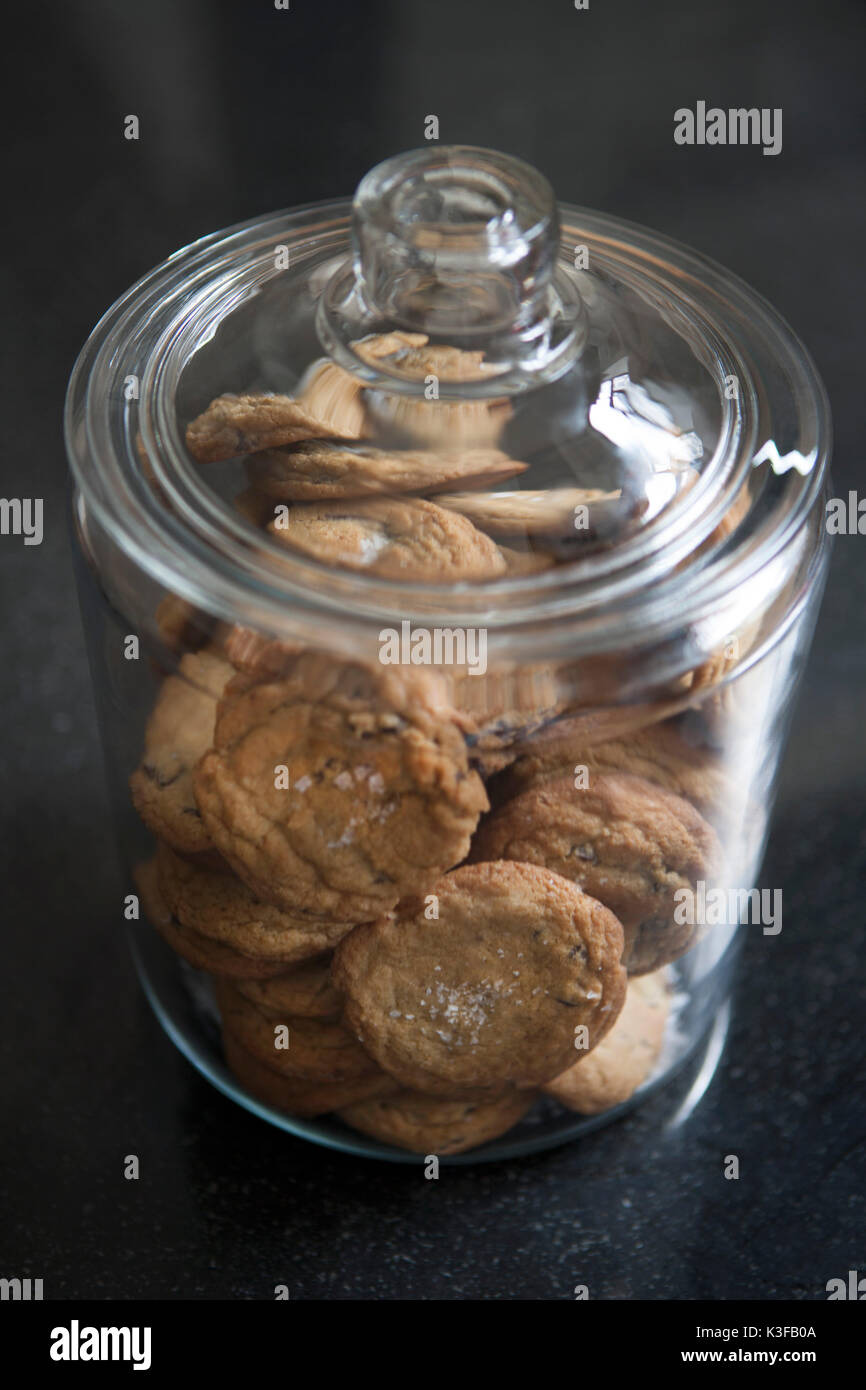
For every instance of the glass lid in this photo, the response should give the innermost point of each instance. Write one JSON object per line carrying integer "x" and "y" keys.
{"x": 453, "y": 396}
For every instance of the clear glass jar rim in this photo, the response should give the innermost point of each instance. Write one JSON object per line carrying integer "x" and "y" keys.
{"x": 636, "y": 591}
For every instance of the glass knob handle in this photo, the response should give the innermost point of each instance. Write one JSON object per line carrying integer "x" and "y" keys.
{"x": 462, "y": 244}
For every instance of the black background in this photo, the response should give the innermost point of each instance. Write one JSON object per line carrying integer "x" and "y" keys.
{"x": 244, "y": 109}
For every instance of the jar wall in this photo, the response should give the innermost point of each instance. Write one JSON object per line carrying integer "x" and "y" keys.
{"x": 444, "y": 676}
{"x": 651, "y": 793}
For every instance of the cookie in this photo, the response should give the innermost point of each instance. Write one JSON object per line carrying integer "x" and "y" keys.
{"x": 234, "y": 425}
{"x": 306, "y": 991}
{"x": 336, "y": 398}
{"x": 254, "y": 654}
{"x": 491, "y": 992}
{"x": 529, "y": 711}
{"x": 416, "y": 361}
{"x": 722, "y": 661}
{"x": 323, "y": 470}
{"x": 626, "y": 841}
{"x": 298, "y": 1097}
{"x": 199, "y": 951}
{"x": 377, "y": 346}
{"x": 178, "y": 731}
{"x": 521, "y": 562}
{"x": 439, "y": 421}
{"x": 658, "y": 753}
{"x": 433, "y": 1125}
{"x": 624, "y": 1059}
{"x": 381, "y": 799}
{"x": 319, "y": 1049}
{"x": 554, "y": 743}
{"x": 405, "y": 538}
{"x": 550, "y": 512}
{"x": 219, "y": 906}
{"x": 501, "y": 708}
{"x": 213, "y": 956}
{"x": 182, "y": 627}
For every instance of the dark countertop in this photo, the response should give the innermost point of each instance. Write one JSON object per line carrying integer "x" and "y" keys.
{"x": 239, "y": 113}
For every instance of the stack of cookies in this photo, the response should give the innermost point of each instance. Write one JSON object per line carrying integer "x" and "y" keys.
{"x": 414, "y": 914}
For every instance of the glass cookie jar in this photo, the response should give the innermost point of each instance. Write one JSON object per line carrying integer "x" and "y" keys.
{"x": 448, "y": 561}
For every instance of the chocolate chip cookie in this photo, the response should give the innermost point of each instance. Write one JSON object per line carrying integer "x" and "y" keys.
{"x": 293, "y": 1095}
{"x": 377, "y": 346}
{"x": 181, "y": 626}
{"x": 319, "y": 1049}
{"x": 587, "y": 727}
{"x": 405, "y": 538}
{"x": 549, "y": 512}
{"x": 335, "y": 398}
{"x": 438, "y": 421}
{"x": 487, "y": 983}
{"x": 255, "y": 654}
{"x": 178, "y": 731}
{"x": 202, "y": 952}
{"x": 658, "y": 753}
{"x": 234, "y": 425}
{"x": 221, "y": 907}
{"x": 499, "y": 710}
{"x": 433, "y": 1125}
{"x": 522, "y": 562}
{"x": 625, "y": 1058}
{"x": 380, "y": 798}
{"x": 322, "y": 470}
{"x": 326, "y": 394}
{"x": 626, "y": 841}
{"x": 305, "y": 991}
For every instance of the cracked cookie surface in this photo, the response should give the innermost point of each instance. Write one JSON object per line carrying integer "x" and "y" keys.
{"x": 490, "y": 993}
{"x": 221, "y": 907}
{"x": 380, "y": 801}
{"x": 202, "y": 952}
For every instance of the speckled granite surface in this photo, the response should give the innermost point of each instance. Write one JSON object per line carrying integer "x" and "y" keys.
{"x": 237, "y": 121}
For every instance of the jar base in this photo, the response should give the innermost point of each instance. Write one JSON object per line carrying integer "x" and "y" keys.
{"x": 182, "y": 1002}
